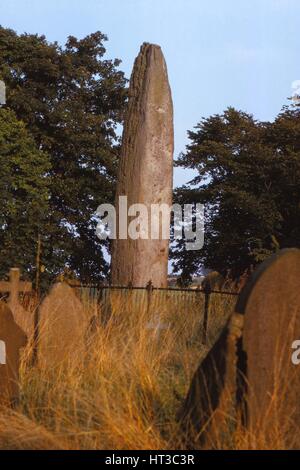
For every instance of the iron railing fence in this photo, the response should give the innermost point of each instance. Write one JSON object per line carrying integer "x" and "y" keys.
{"x": 201, "y": 312}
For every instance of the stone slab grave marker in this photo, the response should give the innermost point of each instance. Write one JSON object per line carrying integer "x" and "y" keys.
{"x": 62, "y": 327}
{"x": 270, "y": 303}
{"x": 12, "y": 339}
{"x": 14, "y": 286}
{"x": 146, "y": 169}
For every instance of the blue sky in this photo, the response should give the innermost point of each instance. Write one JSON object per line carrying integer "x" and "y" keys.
{"x": 219, "y": 53}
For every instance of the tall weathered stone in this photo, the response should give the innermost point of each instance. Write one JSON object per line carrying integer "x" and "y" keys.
{"x": 146, "y": 167}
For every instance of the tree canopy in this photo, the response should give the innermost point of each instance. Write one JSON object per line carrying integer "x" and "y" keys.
{"x": 24, "y": 194}
{"x": 248, "y": 179}
{"x": 71, "y": 100}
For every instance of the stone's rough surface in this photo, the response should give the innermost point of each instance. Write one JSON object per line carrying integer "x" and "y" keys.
{"x": 271, "y": 304}
{"x": 146, "y": 167}
{"x": 62, "y": 327}
{"x": 24, "y": 319}
{"x": 12, "y": 339}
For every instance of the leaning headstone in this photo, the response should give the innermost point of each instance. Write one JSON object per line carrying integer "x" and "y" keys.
{"x": 208, "y": 411}
{"x": 14, "y": 286}
{"x": 12, "y": 339}
{"x": 145, "y": 171}
{"x": 62, "y": 327}
{"x": 270, "y": 302}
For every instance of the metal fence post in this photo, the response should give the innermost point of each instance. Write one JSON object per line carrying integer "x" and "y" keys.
{"x": 149, "y": 288}
{"x": 36, "y": 332}
{"x": 207, "y": 292}
{"x": 106, "y": 308}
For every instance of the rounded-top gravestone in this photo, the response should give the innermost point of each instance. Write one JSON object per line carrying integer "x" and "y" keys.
{"x": 270, "y": 302}
{"x": 62, "y": 327}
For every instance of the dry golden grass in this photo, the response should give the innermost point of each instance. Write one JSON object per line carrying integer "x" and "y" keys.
{"x": 124, "y": 394}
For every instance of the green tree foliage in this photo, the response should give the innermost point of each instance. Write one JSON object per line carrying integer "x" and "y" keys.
{"x": 248, "y": 176}
{"x": 23, "y": 192}
{"x": 71, "y": 100}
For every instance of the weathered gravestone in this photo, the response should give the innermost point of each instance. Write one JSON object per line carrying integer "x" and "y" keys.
{"x": 62, "y": 327}
{"x": 12, "y": 339}
{"x": 145, "y": 171}
{"x": 208, "y": 411}
{"x": 14, "y": 286}
{"x": 270, "y": 303}
{"x": 249, "y": 368}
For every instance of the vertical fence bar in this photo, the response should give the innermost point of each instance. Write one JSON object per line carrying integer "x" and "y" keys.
{"x": 207, "y": 292}
{"x": 106, "y": 308}
{"x": 149, "y": 288}
{"x": 36, "y": 333}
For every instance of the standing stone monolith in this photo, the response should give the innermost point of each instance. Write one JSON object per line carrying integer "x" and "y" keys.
{"x": 270, "y": 302}
{"x": 146, "y": 169}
